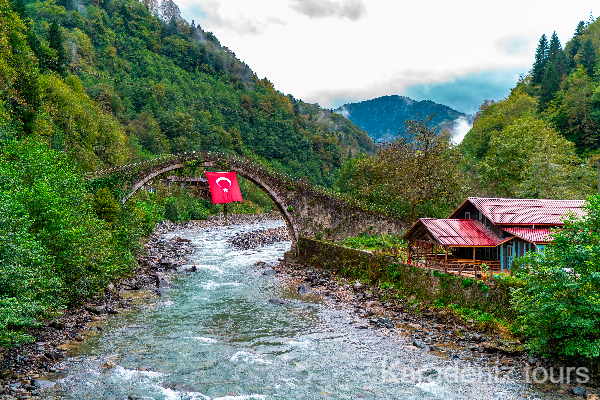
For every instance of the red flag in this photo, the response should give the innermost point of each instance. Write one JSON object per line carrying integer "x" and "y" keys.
{"x": 223, "y": 187}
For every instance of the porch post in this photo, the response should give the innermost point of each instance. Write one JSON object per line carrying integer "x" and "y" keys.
{"x": 474, "y": 266}
{"x": 408, "y": 250}
{"x": 445, "y": 258}
{"x": 502, "y": 256}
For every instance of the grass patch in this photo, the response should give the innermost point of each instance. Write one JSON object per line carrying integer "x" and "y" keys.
{"x": 379, "y": 242}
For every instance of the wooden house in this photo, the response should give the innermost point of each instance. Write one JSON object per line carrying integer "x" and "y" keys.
{"x": 493, "y": 231}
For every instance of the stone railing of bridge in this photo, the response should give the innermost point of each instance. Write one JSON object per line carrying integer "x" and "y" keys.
{"x": 308, "y": 211}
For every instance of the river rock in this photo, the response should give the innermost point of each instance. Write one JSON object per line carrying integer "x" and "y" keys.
{"x": 358, "y": 286}
{"x": 111, "y": 310}
{"x": 162, "y": 282}
{"x": 42, "y": 384}
{"x": 303, "y": 289}
{"x": 419, "y": 344}
{"x": 95, "y": 309}
{"x": 579, "y": 391}
{"x": 269, "y": 272}
{"x": 277, "y": 300}
{"x": 54, "y": 355}
{"x": 57, "y": 325}
{"x": 492, "y": 347}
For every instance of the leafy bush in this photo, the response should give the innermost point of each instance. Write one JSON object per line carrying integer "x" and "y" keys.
{"x": 105, "y": 206}
{"x": 558, "y": 304}
{"x": 54, "y": 250}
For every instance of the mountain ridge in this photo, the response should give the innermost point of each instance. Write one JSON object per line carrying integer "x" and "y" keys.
{"x": 384, "y": 116}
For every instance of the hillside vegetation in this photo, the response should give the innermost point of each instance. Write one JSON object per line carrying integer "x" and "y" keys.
{"x": 95, "y": 84}
{"x": 382, "y": 117}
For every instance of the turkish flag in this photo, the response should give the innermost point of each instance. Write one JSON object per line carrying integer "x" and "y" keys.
{"x": 223, "y": 187}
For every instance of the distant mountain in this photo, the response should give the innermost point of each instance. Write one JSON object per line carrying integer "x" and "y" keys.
{"x": 383, "y": 117}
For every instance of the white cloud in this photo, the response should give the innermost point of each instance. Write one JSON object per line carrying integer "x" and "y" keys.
{"x": 350, "y": 9}
{"x": 330, "y": 51}
{"x": 460, "y": 127}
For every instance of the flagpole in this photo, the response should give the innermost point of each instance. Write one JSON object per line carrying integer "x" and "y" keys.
{"x": 225, "y": 212}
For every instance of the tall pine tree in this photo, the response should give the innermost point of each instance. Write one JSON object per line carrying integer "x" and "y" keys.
{"x": 587, "y": 57}
{"x": 575, "y": 44}
{"x": 550, "y": 85}
{"x": 539, "y": 65}
{"x": 55, "y": 40}
{"x": 556, "y": 55}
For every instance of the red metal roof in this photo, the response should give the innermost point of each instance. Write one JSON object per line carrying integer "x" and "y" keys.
{"x": 524, "y": 211}
{"x": 460, "y": 232}
{"x": 537, "y": 235}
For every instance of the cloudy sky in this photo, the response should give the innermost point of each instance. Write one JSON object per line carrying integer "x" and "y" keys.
{"x": 333, "y": 52}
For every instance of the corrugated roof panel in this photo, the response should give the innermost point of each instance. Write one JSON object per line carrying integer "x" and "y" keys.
{"x": 460, "y": 232}
{"x": 538, "y": 235}
{"x": 526, "y": 211}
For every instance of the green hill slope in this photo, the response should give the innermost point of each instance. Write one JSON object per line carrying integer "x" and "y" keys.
{"x": 171, "y": 87}
{"x": 384, "y": 116}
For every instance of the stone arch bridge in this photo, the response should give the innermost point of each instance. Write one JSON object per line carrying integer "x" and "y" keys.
{"x": 307, "y": 210}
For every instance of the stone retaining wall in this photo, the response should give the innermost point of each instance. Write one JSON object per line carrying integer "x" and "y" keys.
{"x": 425, "y": 285}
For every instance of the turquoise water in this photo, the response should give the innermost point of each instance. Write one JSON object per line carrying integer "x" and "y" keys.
{"x": 216, "y": 336}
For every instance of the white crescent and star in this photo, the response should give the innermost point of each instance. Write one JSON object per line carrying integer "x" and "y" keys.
{"x": 223, "y": 179}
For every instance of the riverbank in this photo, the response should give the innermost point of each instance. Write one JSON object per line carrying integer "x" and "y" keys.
{"x": 426, "y": 329}
{"x": 22, "y": 367}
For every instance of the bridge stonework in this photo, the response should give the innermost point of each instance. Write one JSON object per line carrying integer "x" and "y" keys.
{"x": 308, "y": 211}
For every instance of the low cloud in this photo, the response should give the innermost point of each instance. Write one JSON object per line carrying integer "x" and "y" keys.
{"x": 211, "y": 12}
{"x": 516, "y": 45}
{"x": 460, "y": 127}
{"x": 318, "y": 9}
{"x": 464, "y": 93}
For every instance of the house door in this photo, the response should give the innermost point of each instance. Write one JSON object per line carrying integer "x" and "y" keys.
{"x": 509, "y": 256}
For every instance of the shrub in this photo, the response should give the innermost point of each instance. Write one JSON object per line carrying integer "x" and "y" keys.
{"x": 55, "y": 251}
{"x": 558, "y": 304}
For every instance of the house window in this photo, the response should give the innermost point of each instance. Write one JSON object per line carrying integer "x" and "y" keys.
{"x": 468, "y": 215}
{"x": 487, "y": 253}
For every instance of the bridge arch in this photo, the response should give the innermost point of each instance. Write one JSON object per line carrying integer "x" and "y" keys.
{"x": 254, "y": 178}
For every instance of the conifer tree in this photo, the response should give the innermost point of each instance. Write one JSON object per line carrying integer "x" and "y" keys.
{"x": 587, "y": 57}
{"x": 556, "y": 55}
{"x": 539, "y": 65}
{"x": 55, "y": 40}
{"x": 19, "y": 7}
{"x": 550, "y": 85}
{"x": 575, "y": 44}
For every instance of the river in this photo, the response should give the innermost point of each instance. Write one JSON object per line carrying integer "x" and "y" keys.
{"x": 216, "y": 336}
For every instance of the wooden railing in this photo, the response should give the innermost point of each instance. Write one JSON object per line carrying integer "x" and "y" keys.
{"x": 458, "y": 266}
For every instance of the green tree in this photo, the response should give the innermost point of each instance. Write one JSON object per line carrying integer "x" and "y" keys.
{"x": 556, "y": 56}
{"x": 493, "y": 117}
{"x": 415, "y": 175}
{"x": 572, "y": 112}
{"x": 558, "y": 305}
{"x": 550, "y": 85}
{"x": 575, "y": 44}
{"x": 55, "y": 41}
{"x": 529, "y": 159}
{"x": 587, "y": 57}
{"x": 539, "y": 65}
{"x": 105, "y": 206}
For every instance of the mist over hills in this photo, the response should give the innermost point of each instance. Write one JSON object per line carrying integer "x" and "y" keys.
{"x": 383, "y": 117}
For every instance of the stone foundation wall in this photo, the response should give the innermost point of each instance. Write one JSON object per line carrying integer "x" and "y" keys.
{"x": 425, "y": 285}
